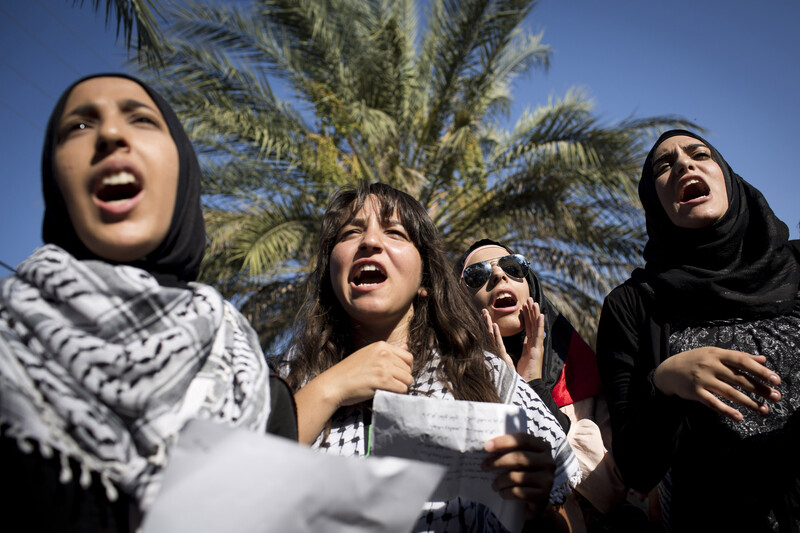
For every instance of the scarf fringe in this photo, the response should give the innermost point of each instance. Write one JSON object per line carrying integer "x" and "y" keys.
{"x": 559, "y": 495}
{"x": 26, "y": 444}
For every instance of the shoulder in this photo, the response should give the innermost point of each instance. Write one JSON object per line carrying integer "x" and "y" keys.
{"x": 794, "y": 245}
{"x": 629, "y": 291}
{"x": 631, "y": 299}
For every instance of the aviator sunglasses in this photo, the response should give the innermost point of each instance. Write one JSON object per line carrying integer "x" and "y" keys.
{"x": 476, "y": 274}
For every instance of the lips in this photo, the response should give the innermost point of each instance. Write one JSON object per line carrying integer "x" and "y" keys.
{"x": 117, "y": 187}
{"x": 366, "y": 274}
{"x": 692, "y": 189}
{"x": 504, "y": 300}
{"x": 117, "y": 190}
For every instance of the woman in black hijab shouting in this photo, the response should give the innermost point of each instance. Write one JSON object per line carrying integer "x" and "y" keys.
{"x": 699, "y": 352}
{"x": 107, "y": 345}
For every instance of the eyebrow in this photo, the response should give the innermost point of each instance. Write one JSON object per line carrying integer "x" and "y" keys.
{"x": 361, "y": 222}
{"x": 489, "y": 260}
{"x": 686, "y": 148}
{"x": 126, "y": 106}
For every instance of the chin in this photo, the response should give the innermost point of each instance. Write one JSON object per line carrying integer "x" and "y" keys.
{"x": 121, "y": 252}
{"x": 509, "y": 327}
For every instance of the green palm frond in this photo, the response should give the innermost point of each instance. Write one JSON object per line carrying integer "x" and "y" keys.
{"x": 288, "y": 100}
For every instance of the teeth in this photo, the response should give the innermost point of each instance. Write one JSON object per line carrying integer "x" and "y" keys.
{"x": 370, "y": 268}
{"x": 120, "y": 178}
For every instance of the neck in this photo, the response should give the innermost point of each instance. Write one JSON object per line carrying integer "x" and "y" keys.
{"x": 394, "y": 332}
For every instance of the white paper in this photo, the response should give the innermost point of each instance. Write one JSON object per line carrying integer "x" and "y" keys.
{"x": 450, "y": 433}
{"x": 220, "y": 479}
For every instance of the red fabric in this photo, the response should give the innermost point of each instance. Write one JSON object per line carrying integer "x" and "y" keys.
{"x": 580, "y": 377}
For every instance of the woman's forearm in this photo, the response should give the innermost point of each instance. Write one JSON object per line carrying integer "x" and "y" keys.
{"x": 315, "y": 406}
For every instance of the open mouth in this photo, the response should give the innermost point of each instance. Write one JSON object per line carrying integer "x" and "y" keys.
{"x": 504, "y": 300}
{"x": 694, "y": 189}
{"x": 118, "y": 187}
{"x": 369, "y": 274}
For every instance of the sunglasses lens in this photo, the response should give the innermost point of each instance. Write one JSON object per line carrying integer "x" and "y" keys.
{"x": 514, "y": 265}
{"x": 476, "y": 274}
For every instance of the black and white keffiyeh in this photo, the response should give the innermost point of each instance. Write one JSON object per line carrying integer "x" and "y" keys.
{"x": 101, "y": 364}
{"x": 348, "y": 437}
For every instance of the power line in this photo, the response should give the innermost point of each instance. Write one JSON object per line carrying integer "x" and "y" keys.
{"x": 20, "y": 115}
{"x": 35, "y": 38}
{"x": 76, "y": 35}
{"x": 25, "y": 78}
{"x": 2, "y": 264}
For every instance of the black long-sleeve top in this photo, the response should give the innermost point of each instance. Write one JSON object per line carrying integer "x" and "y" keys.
{"x": 720, "y": 480}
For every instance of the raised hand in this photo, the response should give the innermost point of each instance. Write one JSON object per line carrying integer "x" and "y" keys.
{"x": 532, "y": 358}
{"x": 494, "y": 331}
{"x": 526, "y": 470}
{"x": 377, "y": 366}
{"x": 708, "y": 373}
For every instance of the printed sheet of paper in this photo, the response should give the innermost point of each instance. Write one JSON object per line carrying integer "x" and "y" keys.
{"x": 452, "y": 434}
{"x": 221, "y": 479}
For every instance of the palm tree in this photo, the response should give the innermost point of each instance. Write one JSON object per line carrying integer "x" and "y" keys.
{"x": 289, "y": 99}
{"x": 142, "y": 14}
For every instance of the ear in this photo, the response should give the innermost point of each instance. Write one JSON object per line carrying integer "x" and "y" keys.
{"x": 422, "y": 292}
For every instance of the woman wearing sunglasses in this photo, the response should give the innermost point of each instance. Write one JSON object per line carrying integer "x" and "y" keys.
{"x": 544, "y": 348}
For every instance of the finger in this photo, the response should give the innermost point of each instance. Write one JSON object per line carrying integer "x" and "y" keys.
{"x": 748, "y": 383}
{"x": 487, "y": 319}
{"x": 527, "y": 494}
{"x": 539, "y": 332}
{"x": 501, "y": 347}
{"x": 542, "y": 479}
{"x": 750, "y": 364}
{"x": 498, "y": 339}
{"x": 405, "y": 356}
{"x": 520, "y": 460}
{"x": 718, "y": 405}
{"x": 529, "y": 316}
{"x": 514, "y": 441}
{"x": 736, "y": 396}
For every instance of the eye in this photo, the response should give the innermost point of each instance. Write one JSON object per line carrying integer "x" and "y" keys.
{"x": 398, "y": 233}
{"x": 72, "y": 127}
{"x": 145, "y": 119}
{"x": 661, "y": 167}
{"x": 345, "y": 233}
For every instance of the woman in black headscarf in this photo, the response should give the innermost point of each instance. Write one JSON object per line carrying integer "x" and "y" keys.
{"x": 107, "y": 345}
{"x": 699, "y": 353}
{"x": 544, "y": 348}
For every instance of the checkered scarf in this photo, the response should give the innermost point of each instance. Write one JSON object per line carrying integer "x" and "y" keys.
{"x": 102, "y": 364}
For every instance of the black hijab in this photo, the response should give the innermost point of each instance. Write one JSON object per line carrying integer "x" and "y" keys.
{"x": 558, "y": 330}
{"x": 738, "y": 267}
{"x": 177, "y": 259}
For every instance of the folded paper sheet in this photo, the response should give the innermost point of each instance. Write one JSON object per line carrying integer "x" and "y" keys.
{"x": 452, "y": 434}
{"x": 220, "y": 479}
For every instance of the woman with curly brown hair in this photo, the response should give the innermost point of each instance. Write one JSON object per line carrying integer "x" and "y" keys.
{"x": 384, "y": 312}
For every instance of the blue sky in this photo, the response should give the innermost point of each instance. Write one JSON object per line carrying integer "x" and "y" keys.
{"x": 732, "y": 66}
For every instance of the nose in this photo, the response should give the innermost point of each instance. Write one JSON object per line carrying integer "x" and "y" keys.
{"x": 371, "y": 238}
{"x": 110, "y": 136}
{"x": 683, "y": 162}
{"x": 498, "y": 275}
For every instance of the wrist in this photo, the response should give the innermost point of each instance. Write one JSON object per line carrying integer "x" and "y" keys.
{"x": 327, "y": 392}
{"x": 660, "y": 384}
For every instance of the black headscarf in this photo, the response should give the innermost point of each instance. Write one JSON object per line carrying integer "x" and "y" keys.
{"x": 738, "y": 267}
{"x": 558, "y": 330}
{"x": 177, "y": 259}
